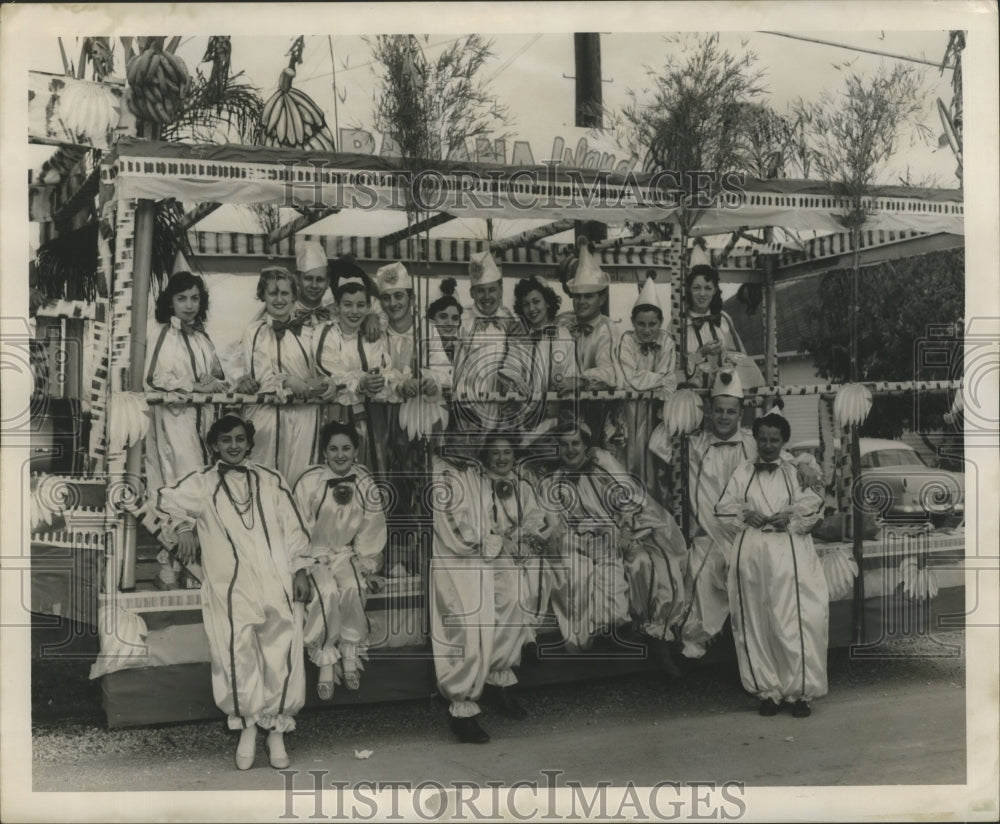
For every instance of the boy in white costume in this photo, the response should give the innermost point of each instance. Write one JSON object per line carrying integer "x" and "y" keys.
{"x": 254, "y": 551}
{"x": 714, "y": 453}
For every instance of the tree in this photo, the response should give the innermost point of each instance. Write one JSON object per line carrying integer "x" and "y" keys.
{"x": 855, "y": 132}
{"x": 902, "y": 300}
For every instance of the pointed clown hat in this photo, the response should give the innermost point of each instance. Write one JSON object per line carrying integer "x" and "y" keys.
{"x": 345, "y": 270}
{"x": 700, "y": 256}
{"x": 309, "y": 255}
{"x": 648, "y": 295}
{"x": 392, "y": 277}
{"x": 727, "y": 384}
{"x": 588, "y": 277}
{"x": 180, "y": 264}
{"x": 483, "y": 269}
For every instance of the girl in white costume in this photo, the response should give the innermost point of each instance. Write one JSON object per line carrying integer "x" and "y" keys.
{"x": 342, "y": 508}
{"x": 180, "y": 357}
{"x": 277, "y": 351}
{"x": 778, "y": 593}
{"x": 254, "y": 551}
{"x": 624, "y": 554}
{"x": 353, "y": 367}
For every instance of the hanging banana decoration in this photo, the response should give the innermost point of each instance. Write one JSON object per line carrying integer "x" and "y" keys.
{"x": 852, "y": 404}
{"x": 158, "y": 82}
{"x": 290, "y": 117}
{"x": 682, "y": 412}
{"x": 89, "y": 111}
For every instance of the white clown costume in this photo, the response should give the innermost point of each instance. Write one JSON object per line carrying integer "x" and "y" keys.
{"x": 286, "y": 434}
{"x": 345, "y": 519}
{"x": 778, "y": 593}
{"x": 645, "y": 367}
{"x": 623, "y": 554}
{"x": 476, "y": 629}
{"x": 177, "y": 356}
{"x": 711, "y": 463}
{"x": 252, "y": 544}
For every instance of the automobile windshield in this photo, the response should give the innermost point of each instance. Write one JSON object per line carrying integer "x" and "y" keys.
{"x": 892, "y": 457}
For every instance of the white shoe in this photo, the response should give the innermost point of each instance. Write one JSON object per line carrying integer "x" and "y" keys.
{"x": 276, "y": 751}
{"x": 246, "y": 751}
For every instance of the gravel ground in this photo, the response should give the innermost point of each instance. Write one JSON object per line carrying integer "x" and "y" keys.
{"x": 68, "y": 725}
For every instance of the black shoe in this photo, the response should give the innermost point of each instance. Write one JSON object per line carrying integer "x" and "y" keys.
{"x": 468, "y": 731}
{"x": 769, "y": 707}
{"x": 503, "y": 702}
{"x": 801, "y": 709}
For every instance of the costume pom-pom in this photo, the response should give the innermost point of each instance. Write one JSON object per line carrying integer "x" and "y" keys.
{"x": 448, "y": 286}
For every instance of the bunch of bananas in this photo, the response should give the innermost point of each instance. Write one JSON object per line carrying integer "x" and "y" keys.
{"x": 158, "y": 82}
{"x": 840, "y": 570}
{"x": 852, "y": 404}
{"x": 682, "y": 412}
{"x": 291, "y": 118}
{"x": 918, "y": 582}
{"x": 128, "y": 420}
{"x": 418, "y": 415}
{"x": 89, "y": 111}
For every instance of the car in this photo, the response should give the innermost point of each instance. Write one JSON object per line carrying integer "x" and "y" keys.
{"x": 898, "y": 485}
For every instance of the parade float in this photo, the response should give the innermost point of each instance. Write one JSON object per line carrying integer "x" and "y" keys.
{"x": 95, "y": 544}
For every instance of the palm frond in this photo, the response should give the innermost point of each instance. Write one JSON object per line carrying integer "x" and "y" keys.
{"x": 213, "y": 115}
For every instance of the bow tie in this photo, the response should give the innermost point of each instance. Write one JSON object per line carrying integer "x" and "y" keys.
{"x": 225, "y": 468}
{"x": 318, "y": 312}
{"x": 282, "y": 326}
{"x": 545, "y": 332}
{"x": 651, "y": 346}
{"x": 189, "y": 328}
{"x": 730, "y": 443}
{"x": 342, "y": 479}
{"x": 343, "y": 494}
{"x": 581, "y": 329}
{"x": 762, "y": 466}
{"x": 701, "y": 320}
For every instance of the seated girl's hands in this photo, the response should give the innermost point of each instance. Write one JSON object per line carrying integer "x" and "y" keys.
{"x": 428, "y": 387}
{"x": 755, "y": 519}
{"x": 710, "y": 349}
{"x": 246, "y": 386}
{"x": 302, "y": 587}
{"x": 779, "y": 521}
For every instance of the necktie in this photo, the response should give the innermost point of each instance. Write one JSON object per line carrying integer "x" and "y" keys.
{"x": 765, "y": 467}
{"x": 225, "y": 468}
{"x": 714, "y": 320}
{"x": 282, "y": 326}
{"x": 646, "y": 348}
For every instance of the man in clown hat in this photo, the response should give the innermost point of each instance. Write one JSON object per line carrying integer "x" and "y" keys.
{"x": 714, "y": 453}
{"x": 482, "y": 346}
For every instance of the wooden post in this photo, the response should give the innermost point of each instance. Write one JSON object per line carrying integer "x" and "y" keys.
{"x": 142, "y": 266}
{"x": 770, "y": 326}
{"x": 589, "y": 97}
{"x": 857, "y": 515}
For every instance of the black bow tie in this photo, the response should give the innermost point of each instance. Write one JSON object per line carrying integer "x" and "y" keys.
{"x": 320, "y": 312}
{"x": 651, "y": 346}
{"x": 343, "y": 479}
{"x": 282, "y": 326}
{"x": 191, "y": 328}
{"x": 765, "y": 467}
{"x": 225, "y": 468}
{"x": 581, "y": 329}
{"x": 714, "y": 320}
{"x": 726, "y": 443}
{"x": 493, "y": 320}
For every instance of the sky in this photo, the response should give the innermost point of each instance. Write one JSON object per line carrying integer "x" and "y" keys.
{"x": 527, "y": 75}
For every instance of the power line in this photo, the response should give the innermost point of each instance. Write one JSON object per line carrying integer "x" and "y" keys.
{"x": 370, "y": 62}
{"x": 859, "y": 49}
{"x": 506, "y": 64}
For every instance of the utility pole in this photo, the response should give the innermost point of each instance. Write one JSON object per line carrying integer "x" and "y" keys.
{"x": 589, "y": 106}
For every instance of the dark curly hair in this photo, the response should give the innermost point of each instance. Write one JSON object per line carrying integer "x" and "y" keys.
{"x": 227, "y": 423}
{"x": 712, "y": 276}
{"x": 338, "y": 428}
{"x": 526, "y": 286}
{"x": 778, "y": 422}
{"x": 181, "y": 282}
{"x": 447, "y": 287}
